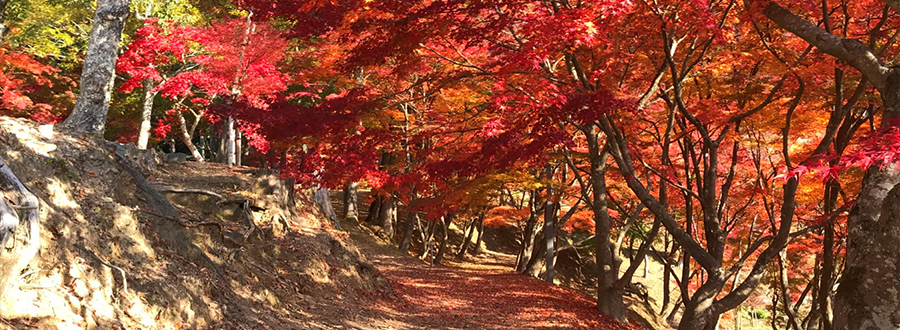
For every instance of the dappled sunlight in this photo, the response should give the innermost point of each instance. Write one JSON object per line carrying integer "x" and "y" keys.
{"x": 470, "y": 296}
{"x": 34, "y": 138}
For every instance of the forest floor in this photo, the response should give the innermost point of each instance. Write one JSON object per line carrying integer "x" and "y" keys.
{"x": 477, "y": 294}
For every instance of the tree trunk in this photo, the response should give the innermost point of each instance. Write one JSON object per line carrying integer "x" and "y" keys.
{"x": 535, "y": 261}
{"x": 92, "y": 106}
{"x": 826, "y": 277}
{"x": 868, "y": 296}
{"x": 464, "y": 247}
{"x": 186, "y": 137}
{"x": 351, "y": 199}
{"x": 411, "y": 220}
{"x": 230, "y": 157}
{"x": 2, "y": 19}
{"x": 387, "y": 217}
{"x": 786, "y": 300}
{"x": 666, "y": 292}
{"x": 610, "y": 297}
{"x": 699, "y": 313}
{"x": 445, "y": 231}
{"x": 480, "y": 234}
{"x": 289, "y": 184}
{"x": 646, "y": 266}
{"x": 374, "y": 210}
{"x": 16, "y": 251}
{"x": 323, "y": 200}
{"x": 527, "y": 236}
{"x": 549, "y": 228}
{"x": 238, "y": 147}
{"x": 221, "y": 134}
{"x": 147, "y": 110}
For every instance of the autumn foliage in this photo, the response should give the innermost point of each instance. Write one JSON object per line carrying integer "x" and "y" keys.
{"x": 696, "y": 131}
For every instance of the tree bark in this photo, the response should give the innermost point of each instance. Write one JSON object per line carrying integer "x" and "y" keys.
{"x": 528, "y": 235}
{"x": 609, "y": 296}
{"x": 3, "y": 4}
{"x": 186, "y": 137}
{"x": 478, "y": 243}
{"x": 535, "y": 262}
{"x": 549, "y": 228}
{"x": 146, "y": 112}
{"x": 411, "y": 220}
{"x": 230, "y": 157}
{"x": 445, "y": 231}
{"x": 467, "y": 239}
{"x": 323, "y": 200}
{"x": 374, "y": 210}
{"x": 387, "y": 217}
{"x": 786, "y": 300}
{"x": 868, "y": 296}
{"x": 826, "y": 277}
{"x": 238, "y": 147}
{"x": 351, "y": 199}
{"x": 92, "y": 106}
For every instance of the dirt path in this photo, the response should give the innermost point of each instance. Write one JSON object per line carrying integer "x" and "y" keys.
{"x": 470, "y": 296}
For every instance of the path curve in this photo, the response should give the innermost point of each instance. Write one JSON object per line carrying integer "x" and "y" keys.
{"x": 471, "y": 296}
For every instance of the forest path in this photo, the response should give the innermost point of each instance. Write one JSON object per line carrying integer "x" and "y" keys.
{"x": 466, "y": 295}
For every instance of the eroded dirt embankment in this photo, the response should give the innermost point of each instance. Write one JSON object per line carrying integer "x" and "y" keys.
{"x": 128, "y": 244}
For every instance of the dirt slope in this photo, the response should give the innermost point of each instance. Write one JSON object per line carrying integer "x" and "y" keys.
{"x": 116, "y": 254}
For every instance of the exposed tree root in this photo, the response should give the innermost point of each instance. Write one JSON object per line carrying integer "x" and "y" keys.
{"x": 14, "y": 257}
{"x": 189, "y": 191}
{"x": 183, "y": 223}
{"x": 99, "y": 259}
{"x": 249, "y": 215}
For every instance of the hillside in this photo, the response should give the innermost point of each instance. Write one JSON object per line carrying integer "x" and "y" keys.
{"x": 115, "y": 254}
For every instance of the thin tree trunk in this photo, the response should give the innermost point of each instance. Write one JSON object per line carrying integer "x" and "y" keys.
{"x": 646, "y": 266}
{"x": 351, "y": 199}
{"x": 549, "y": 228}
{"x": 480, "y": 233}
{"x": 666, "y": 293}
{"x": 186, "y": 137}
{"x": 2, "y": 19}
{"x": 464, "y": 247}
{"x": 786, "y": 301}
{"x": 445, "y": 230}
{"x": 528, "y": 236}
{"x": 411, "y": 220}
{"x": 826, "y": 281}
{"x": 230, "y": 157}
{"x": 92, "y": 106}
{"x": 238, "y": 147}
{"x": 426, "y": 233}
{"x": 146, "y": 112}
{"x": 231, "y": 147}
